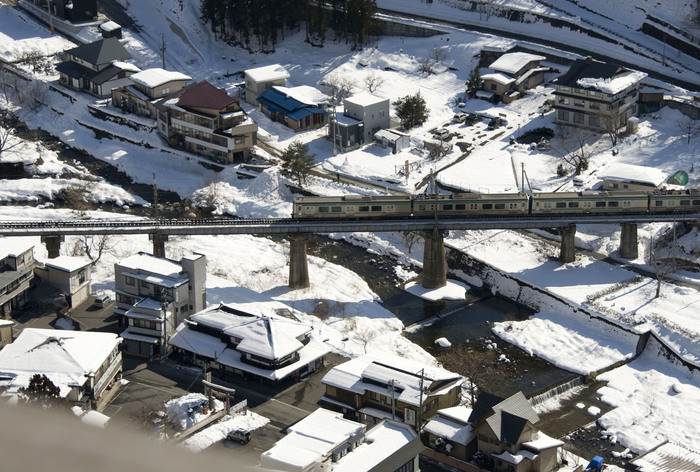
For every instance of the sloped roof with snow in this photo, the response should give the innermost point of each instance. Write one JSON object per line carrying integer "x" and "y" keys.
{"x": 150, "y": 263}
{"x": 499, "y": 78}
{"x": 382, "y": 441}
{"x": 365, "y": 99}
{"x": 612, "y": 85}
{"x": 68, "y": 263}
{"x": 156, "y": 76}
{"x": 512, "y": 62}
{"x": 205, "y": 95}
{"x": 632, "y": 173}
{"x": 65, "y": 357}
{"x": 450, "y": 430}
{"x": 668, "y": 457}
{"x": 13, "y": 247}
{"x": 267, "y": 73}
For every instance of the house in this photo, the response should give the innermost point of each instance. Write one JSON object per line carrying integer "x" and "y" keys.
{"x": 299, "y": 108}
{"x": 262, "y": 78}
{"x": 16, "y": 274}
{"x": 666, "y": 457}
{"x": 96, "y": 67}
{"x": 153, "y": 296}
{"x": 392, "y": 139}
{"x": 626, "y": 177}
{"x": 205, "y": 120}
{"x": 6, "y": 332}
{"x": 371, "y": 110}
{"x": 596, "y": 95}
{"x": 146, "y": 87}
{"x": 250, "y": 341}
{"x": 75, "y": 11}
{"x": 507, "y": 438}
{"x": 82, "y": 364}
{"x": 513, "y": 73}
{"x": 371, "y": 388}
{"x": 324, "y": 441}
{"x": 451, "y": 434}
{"x": 346, "y": 132}
{"x": 69, "y": 274}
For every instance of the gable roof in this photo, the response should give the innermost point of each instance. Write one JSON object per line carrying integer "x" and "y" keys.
{"x": 507, "y": 426}
{"x": 156, "y": 76}
{"x": 267, "y": 73}
{"x": 100, "y": 52}
{"x": 286, "y": 101}
{"x": 484, "y": 402}
{"x": 512, "y": 62}
{"x": 205, "y": 95}
{"x": 606, "y": 77}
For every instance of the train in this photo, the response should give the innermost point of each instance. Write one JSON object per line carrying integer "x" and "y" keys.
{"x": 474, "y": 205}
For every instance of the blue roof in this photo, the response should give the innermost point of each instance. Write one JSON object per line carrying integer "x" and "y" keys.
{"x": 279, "y": 102}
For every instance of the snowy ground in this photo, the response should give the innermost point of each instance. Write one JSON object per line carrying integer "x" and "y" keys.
{"x": 490, "y": 168}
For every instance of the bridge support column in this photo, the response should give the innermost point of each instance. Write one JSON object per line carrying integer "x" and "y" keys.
{"x": 53, "y": 245}
{"x": 298, "y": 265}
{"x": 568, "y": 247}
{"x": 629, "y": 247}
{"x": 434, "y": 267}
{"x": 158, "y": 241}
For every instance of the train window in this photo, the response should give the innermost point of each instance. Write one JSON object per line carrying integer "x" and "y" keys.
{"x": 336, "y": 209}
{"x": 376, "y": 208}
{"x": 473, "y": 206}
{"x": 613, "y": 204}
{"x": 364, "y": 208}
{"x": 447, "y": 207}
{"x": 462, "y": 206}
{"x": 486, "y": 206}
{"x": 323, "y": 209}
{"x": 659, "y": 203}
{"x": 500, "y": 206}
{"x": 561, "y": 204}
{"x": 600, "y": 204}
{"x": 421, "y": 207}
{"x": 696, "y": 202}
{"x": 573, "y": 204}
{"x": 685, "y": 202}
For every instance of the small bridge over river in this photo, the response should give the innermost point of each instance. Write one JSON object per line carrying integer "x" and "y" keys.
{"x": 53, "y": 232}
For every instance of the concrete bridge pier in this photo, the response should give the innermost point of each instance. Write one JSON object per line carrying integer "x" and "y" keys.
{"x": 158, "y": 241}
{"x": 434, "y": 267}
{"x": 298, "y": 265}
{"x": 629, "y": 247}
{"x": 53, "y": 245}
{"x": 568, "y": 247}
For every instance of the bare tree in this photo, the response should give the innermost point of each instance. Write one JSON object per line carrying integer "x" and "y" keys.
{"x": 690, "y": 128}
{"x": 427, "y": 65}
{"x": 5, "y": 144}
{"x": 410, "y": 238}
{"x": 478, "y": 366}
{"x": 373, "y": 81}
{"x": 365, "y": 335}
{"x": 572, "y": 146}
{"x": 94, "y": 246}
{"x": 663, "y": 266}
{"x": 75, "y": 196}
{"x": 338, "y": 87}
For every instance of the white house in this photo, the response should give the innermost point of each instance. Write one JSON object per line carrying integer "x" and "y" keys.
{"x": 80, "y": 363}
{"x": 371, "y": 110}
{"x": 259, "y": 79}
{"x": 69, "y": 274}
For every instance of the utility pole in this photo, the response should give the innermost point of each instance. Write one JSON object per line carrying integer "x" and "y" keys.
{"x": 48, "y": 6}
{"x": 155, "y": 197}
{"x": 420, "y": 403}
{"x": 162, "y": 49}
{"x": 392, "y": 389}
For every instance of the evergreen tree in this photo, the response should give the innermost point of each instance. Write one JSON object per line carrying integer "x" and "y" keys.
{"x": 42, "y": 391}
{"x": 474, "y": 82}
{"x": 297, "y": 162}
{"x": 411, "y": 110}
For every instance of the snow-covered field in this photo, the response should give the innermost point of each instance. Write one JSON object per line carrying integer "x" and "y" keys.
{"x": 565, "y": 339}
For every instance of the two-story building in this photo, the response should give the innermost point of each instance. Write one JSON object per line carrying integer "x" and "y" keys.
{"x": 324, "y": 441}
{"x": 69, "y": 274}
{"x": 253, "y": 341}
{"x": 16, "y": 273}
{"x": 512, "y": 74}
{"x": 371, "y": 110}
{"x": 146, "y": 88}
{"x": 153, "y": 296}
{"x": 596, "y": 95}
{"x": 205, "y": 120}
{"x": 370, "y": 388}
{"x": 82, "y": 364}
{"x": 96, "y": 67}
{"x": 299, "y": 108}
{"x": 259, "y": 79}
{"x": 75, "y": 11}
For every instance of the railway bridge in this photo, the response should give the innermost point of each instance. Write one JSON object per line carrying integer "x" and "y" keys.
{"x": 53, "y": 232}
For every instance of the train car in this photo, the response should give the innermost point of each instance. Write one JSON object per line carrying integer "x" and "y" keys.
{"x": 470, "y": 204}
{"x": 352, "y": 206}
{"x": 589, "y": 202}
{"x": 674, "y": 201}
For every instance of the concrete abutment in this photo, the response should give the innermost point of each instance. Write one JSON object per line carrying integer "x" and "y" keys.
{"x": 53, "y": 245}
{"x": 434, "y": 267}
{"x": 629, "y": 247}
{"x": 568, "y": 245}
{"x": 298, "y": 264}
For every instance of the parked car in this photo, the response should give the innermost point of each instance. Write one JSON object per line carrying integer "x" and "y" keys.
{"x": 495, "y": 122}
{"x": 471, "y": 119}
{"x": 441, "y": 133}
{"x": 239, "y": 435}
{"x": 459, "y": 117}
{"x": 102, "y": 300}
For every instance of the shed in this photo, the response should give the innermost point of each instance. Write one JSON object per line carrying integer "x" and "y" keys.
{"x": 678, "y": 178}
{"x": 392, "y": 139}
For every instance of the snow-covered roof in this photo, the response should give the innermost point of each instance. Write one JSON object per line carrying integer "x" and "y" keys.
{"x": 389, "y": 135}
{"x": 512, "y": 62}
{"x": 312, "y": 438}
{"x": 156, "y": 265}
{"x": 125, "y": 66}
{"x": 612, "y": 85}
{"x": 499, "y": 78}
{"x": 632, "y": 173}
{"x": 267, "y": 73}
{"x": 304, "y": 93}
{"x": 541, "y": 441}
{"x": 6, "y": 322}
{"x": 387, "y": 367}
{"x": 13, "y": 247}
{"x": 365, "y": 99}
{"x": 270, "y": 338}
{"x": 156, "y": 76}
{"x": 68, "y": 263}
{"x": 66, "y": 358}
{"x": 457, "y": 413}
{"x": 516, "y": 458}
{"x": 381, "y": 442}
{"x": 109, "y": 26}
{"x": 668, "y": 457}
{"x": 450, "y": 430}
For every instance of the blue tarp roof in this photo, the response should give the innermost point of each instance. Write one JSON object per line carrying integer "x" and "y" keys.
{"x": 279, "y": 102}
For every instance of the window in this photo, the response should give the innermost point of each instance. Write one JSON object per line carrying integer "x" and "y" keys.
{"x": 613, "y": 204}
{"x": 376, "y": 208}
{"x": 563, "y": 115}
{"x": 500, "y": 206}
{"x": 486, "y": 206}
{"x": 129, "y": 280}
{"x": 563, "y": 101}
{"x": 493, "y": 86}
{"x": 578, "y": 118}
{"x": 336, "y": 209}
{"x": 166, "y": 90}
{"x": 364, "y": 208}
{"x": 579, "y": 103}
{"x": 685, "y": 202}
{"x": 593, "y": 93}
{"x": 460, "y": 206}
{"x": 600, "y": 204}
{"x": 659, "y": 203}
{"x": 573, "y": 204}
{"x": 561, "y": 205}
{"x": 564, "y": 89}
{"x": 144, "y": 284}
{"x": 447, "y": 207}
{"x": 696, "y": 202}
{"x": 323, "y": 209}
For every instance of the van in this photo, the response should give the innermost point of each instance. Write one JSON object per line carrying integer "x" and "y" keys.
{"x": 102, "y": 300}
{"x": 239, "y": 435}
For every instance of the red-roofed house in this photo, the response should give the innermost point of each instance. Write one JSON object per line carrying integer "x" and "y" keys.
{"x": 207, "y": 121}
